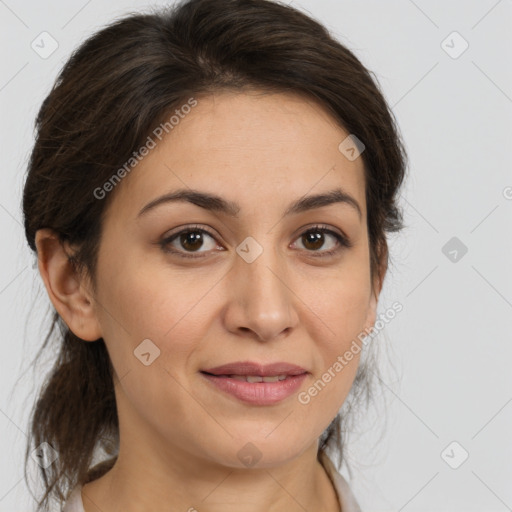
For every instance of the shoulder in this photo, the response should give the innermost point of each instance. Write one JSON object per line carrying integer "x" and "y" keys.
{"x": 346, "y": 498}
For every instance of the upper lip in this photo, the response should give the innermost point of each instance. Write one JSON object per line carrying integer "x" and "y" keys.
{"x": 255, "y": 369}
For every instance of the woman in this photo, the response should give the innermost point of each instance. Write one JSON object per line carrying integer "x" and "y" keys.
{"x": 208, "y": 195}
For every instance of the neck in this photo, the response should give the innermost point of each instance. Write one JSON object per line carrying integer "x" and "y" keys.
{"x": 141, "y": 482}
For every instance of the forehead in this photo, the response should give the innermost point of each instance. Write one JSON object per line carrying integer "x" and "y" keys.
{"x": 247, "y": 147}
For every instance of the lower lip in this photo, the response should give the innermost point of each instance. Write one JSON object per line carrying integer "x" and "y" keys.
{"x": 258, "y": 393}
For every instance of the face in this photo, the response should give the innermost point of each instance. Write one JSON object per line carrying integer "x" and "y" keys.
{"x": 206, "y": 286}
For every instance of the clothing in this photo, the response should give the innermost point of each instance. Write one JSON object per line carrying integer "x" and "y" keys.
{"x": 345, "y": 496}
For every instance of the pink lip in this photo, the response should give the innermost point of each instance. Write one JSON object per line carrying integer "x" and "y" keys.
{"x": 250, "y": 368}
{"x": 258, "y": 393}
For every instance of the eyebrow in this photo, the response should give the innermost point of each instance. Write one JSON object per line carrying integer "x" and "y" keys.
{"x": 215, "y": 203}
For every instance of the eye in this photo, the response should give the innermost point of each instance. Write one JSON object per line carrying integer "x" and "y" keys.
{"x": 314, "y": 238}
{"x": 187, "y": 242}
{"x": 190, "y": 239}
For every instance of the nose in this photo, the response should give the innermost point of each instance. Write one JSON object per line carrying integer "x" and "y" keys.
{"x": 260, "y": 300}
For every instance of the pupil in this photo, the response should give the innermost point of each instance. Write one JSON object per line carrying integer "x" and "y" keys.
{"x": 315, "y": 236}
{"x": 188, "y": 239}
{"x": 193, "y": 239}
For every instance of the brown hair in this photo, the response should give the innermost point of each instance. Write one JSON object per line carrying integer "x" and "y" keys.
{"x": 115, "y": 88}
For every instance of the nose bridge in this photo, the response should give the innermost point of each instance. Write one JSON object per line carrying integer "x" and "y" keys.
{"x": 261, "y": 292}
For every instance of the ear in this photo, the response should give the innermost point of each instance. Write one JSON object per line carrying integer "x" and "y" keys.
{"x": 378, "y": 281}
{"x": 67, "y": 291}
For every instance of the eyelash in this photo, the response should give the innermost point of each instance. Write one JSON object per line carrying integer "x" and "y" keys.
{"x": 343, "y": 242}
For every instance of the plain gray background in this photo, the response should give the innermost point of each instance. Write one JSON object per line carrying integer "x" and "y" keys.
{"x": 452, "y": 342}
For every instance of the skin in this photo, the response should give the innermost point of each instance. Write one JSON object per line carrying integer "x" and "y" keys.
{"x": 179, "y": 436}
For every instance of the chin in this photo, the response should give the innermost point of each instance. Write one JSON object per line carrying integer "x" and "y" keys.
{"x": 263, "y": 451}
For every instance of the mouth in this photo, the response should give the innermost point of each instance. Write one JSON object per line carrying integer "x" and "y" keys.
{"x": 254, "y": 378}
{"x": 256, "y": 389}
{"x": 256, "y": 370}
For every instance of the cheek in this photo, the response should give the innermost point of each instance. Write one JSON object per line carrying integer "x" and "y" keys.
{"x": 150, "y": 332}
{"x": 341, "y": 313}
{"x": 146, "y": 305}
{"x": 341, "y": 301}
{"x": 344, "y": 312}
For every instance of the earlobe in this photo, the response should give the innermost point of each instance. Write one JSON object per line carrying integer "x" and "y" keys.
{"x": 65, "y": 288}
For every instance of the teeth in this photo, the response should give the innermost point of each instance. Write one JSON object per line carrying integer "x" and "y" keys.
{"x": 238, "y": 377}
{"x": 258, "y": 378}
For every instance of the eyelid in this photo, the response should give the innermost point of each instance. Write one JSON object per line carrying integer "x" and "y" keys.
{"x": 342, "y": 239}
{"x": 187, "y": 228}
{"x": 168, "y": 238}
